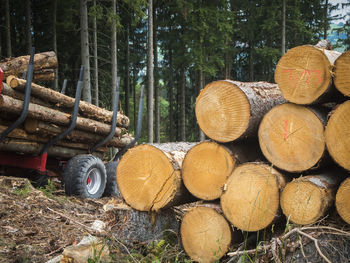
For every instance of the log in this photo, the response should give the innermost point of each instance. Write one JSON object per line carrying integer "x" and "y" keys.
{"x": 228, "y": 110}
{"x": 205, "y": 234}
{"x": 342, "y": 198}
{"x": 60, "y": 100}
{"x": 337, "y": 135}
{"x": 28, "y": 147}
{"x": 207, "y": 166}
{"x": 292, "y": 137}
{"x": 304, "y": 74}
{"x": 251, "y": 199}
{"x": 306, "y": 199}
{"x": 8, "y": 91}
{"x": 44, "y": 75}
{"x": 341, "y": 73}
{"x": 16, "y": 66}
{"x": 50, "y": 115}
{"x": 148, "y": 176}
{"x": 49, "y": 129}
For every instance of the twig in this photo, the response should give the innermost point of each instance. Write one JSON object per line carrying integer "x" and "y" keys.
{"x": 127, "y": 250}
{"x": 274, "y": 248}
{"x": 316, "y": 245}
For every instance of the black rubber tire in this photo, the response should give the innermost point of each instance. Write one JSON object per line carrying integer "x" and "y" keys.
{"x": 76, "y": 175}
{"x": 111, "y": 185}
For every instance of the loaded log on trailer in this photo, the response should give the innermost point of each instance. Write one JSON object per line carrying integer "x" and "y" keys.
{"x": 56, "y": 134}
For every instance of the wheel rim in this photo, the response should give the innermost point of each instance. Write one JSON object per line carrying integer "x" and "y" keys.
{"x": 93, "y": 181}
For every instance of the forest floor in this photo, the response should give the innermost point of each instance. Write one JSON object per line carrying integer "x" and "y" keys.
{"x": 37, "y": 224}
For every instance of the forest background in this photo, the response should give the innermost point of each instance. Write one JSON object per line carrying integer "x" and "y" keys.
{"x": 173, "y": 48}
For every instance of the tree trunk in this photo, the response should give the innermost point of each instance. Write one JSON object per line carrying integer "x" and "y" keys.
{"x": 201, "y": 85}
{"x": 205, "y": 234}
{"x": 325, "y": 17}
{"x": 229, "y": 110}
{"x": 61, "y": 100}
{"x": 283, "y": 44}
{"x": 342, "y": 200}
{"x": 182, "y": 117}
{"x": 136, "y": 226}
{"x": 341, "y": 73}
{"x": 303, "y": 74}
{"x": 292, "y": 137}
{"x": 207, "y": 166}
{"x": 306, "y": 199}
{"x": 96, "y": 90}
{"x": 54, "y": 40}
{"x": 150, "y": 71}
{"x": 148, "y": 176}
{"x": 156, "y": 83}
{"x": 85, "y": 55}
{"x": 127, "y": 72}
{"x": 337, "y": 135}
{"x": 48, "y": 129}
{"x": 171, "y": 97}
{"x": 114, "y": 49}
{"x": 8, "y": 31}
{"x": 29, "y": 25}
{"x": 16, "y": 66}
{"x": 8, "y": 104}
{"x": 251, "y": 199}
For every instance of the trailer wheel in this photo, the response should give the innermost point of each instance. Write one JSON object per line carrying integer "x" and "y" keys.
{"x": 111, "y": 185}
{"x": 84, "y": 175}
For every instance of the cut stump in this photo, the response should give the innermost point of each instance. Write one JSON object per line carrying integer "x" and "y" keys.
{"x": 149, "y": 177}
{"x": 205, "y": 234}
{"x": 227, "y": 110}
{"x": 292, "y": 137}
{"x": 341, "y": 72}
{"x": 251, "y": 199}
{"x": 337, "y": 135}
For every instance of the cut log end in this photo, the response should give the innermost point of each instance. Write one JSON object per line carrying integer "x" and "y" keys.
{"x": 146, "y": 178}
{"x": 292, "y": 137}
{"x": 206, "y": 168}
{"x": 337, "y": 135}
{"x": 342, "y": 200}
{"x": 205, "y": 234}
{"x": 303, "y": 74}
{"x": 303, "y": 202}
{"x": 222, "y": 104}
{"x": 342, "y": 77}
{"x": 251, "y": 200}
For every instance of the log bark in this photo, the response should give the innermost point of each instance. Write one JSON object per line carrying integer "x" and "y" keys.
{"x": 44, "y": 128}
{"x": 342, "y": 200}
{"x": 306, "y": 199}
{"x": 7, "y": 90}
{"x": 341, "y": 73}
{"x": 292, "y": 137}
{"x": 304, "y": 74}
{"x": 148, "y": 176}
{"x": 205, "y": 234}
{"x": 44, "y": 75}
{"x": 16, "y": 66}
{"x": 60, "y": 100}
{"x": 27, "y": 147}
{"x": 49, "y": 115}
{"x": 251, "y": 199}
{"x": 229, "y": 110}
{"x": 337, "y": 135}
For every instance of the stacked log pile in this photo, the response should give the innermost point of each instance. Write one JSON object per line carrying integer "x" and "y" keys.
{"x": 49, "y": 114}
{"x": 262, "y": 135}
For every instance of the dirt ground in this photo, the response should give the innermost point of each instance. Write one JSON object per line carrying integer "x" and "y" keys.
{"x": 36, "y": 226}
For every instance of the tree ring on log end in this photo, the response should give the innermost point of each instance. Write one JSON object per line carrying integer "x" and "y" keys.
{"x": 205, "y": 234}
{"x": 292, "y": 137}
{"x": 337, "y": 135}
{"x": 222, "y": 111}
{"x": 146, "y": 178}
{"x": 342, "y": 77}
{"x": 303, "y": 202}
{"x": 206, "y": 168}
{"x": 342, "y": 200}
{"x": 303, "y": 74}
{"x": 251, "y": 200}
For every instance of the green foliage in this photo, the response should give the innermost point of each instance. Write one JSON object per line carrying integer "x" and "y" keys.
{"x": 23, "y": 191}
{"x": 49, "y": 189}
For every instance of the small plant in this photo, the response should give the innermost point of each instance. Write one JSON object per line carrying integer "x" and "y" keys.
{"x": 23, "y": 191}
{"x": 49, "y": 189}
{"x": 96, "y": 254}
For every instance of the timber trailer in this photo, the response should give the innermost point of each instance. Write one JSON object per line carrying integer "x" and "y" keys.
{"x": 84, "y": 174}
